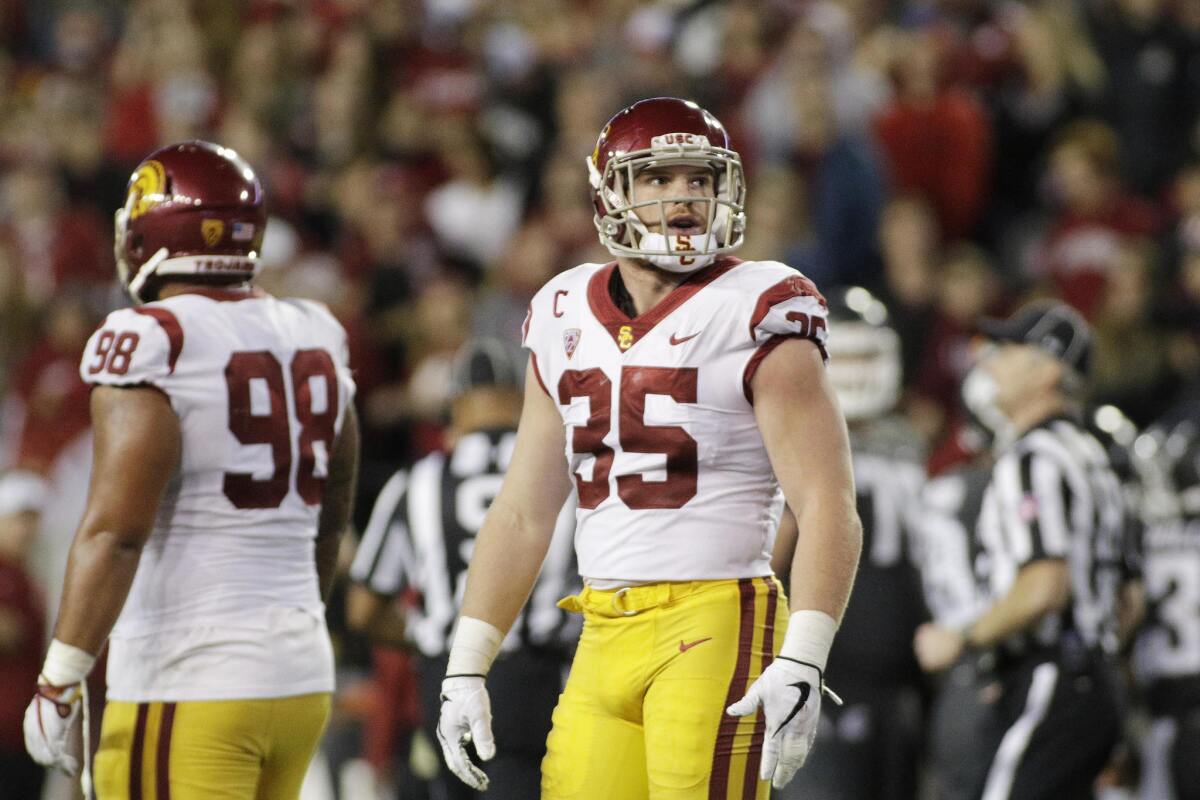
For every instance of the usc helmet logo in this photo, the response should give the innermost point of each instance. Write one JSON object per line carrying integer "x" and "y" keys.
{"x": 596, "y": 150}
{"x": 146, "y": 188}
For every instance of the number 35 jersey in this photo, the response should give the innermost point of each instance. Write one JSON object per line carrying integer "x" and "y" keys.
{"x": 673, "y": 476}
{"x": 225, "y": 603}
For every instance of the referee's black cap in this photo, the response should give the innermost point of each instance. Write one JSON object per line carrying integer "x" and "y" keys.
{"x": 1049, "y": 325}
{"x": 486, "y": 362}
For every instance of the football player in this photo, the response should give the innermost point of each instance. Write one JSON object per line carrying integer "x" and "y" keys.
{"x": 873, "y": 744}
{"x": 1167, "y": 650}
{"x": 225, "y": 454}
{"x": 686, "y": 388}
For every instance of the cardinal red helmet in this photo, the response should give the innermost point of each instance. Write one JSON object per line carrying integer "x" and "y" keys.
{"x": 191, "y": 209}
{"x": 656, "y": 132}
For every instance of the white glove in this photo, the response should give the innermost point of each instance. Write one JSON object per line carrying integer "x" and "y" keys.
{"x": 48, "y": 722}
{"x": 789, "y": 692}
{"x": 466, "y": 716}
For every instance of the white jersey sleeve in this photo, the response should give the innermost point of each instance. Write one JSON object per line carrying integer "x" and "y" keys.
{"x": 133, "y": 346}
{"x": 792, "y": 307}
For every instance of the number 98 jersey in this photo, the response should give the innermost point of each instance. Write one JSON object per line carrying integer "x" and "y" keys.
{"x": 673, "y": 477}
{"x": 260, "y": 386}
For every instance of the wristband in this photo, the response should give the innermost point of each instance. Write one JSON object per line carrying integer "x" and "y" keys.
{"x": 809, "y": 637}
{"x": 475, "y": 646}
{"x": 65, "y": 664}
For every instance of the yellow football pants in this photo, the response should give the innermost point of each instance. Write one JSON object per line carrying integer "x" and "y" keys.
{"x": 208, "y": 750}
{"x": 643, "y": 711}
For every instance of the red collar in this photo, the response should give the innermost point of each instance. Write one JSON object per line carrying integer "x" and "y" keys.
{"x": 231, "y": 295}
{"x": 621, "y": 326}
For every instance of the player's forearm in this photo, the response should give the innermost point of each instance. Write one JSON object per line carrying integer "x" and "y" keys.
{"x": 828, "y": 546}
{"x": 100, "y": 570}
{"x": 337, "y": 507}
{"x": 509, "y": 552}
{"x": 1041, "y": 588}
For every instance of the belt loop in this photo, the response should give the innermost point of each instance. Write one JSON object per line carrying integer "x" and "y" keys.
{"x": 620, "y": 593}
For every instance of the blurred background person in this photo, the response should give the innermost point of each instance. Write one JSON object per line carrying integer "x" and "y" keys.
{"x": 1167, "y": 653}
{"x": 410, "y": 570}
{"x": 1050, "y": 536}
{"x": 872, "y": 746}
{"x": 22, "y": 626}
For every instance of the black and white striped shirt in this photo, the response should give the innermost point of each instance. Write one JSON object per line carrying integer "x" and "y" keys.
{"x": 1053, "y": 494}
{"x": 421, "y": 535}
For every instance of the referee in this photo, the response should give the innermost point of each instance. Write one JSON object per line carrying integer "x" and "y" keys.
{"x": 1049, "y": 547}
{"x": 411, "y": 567}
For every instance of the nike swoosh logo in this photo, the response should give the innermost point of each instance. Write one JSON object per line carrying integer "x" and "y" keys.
{"x": 683, "y": 648}
{"x": 674, "y": 340}
{"x": 805, "y": 690}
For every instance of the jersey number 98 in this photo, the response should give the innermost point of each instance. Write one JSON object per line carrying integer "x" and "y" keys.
{"x": 316, "y": 418}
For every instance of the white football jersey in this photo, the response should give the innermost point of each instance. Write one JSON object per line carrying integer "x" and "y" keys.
{"x": 225, "y": 603}
{"x": 673, "y": 477}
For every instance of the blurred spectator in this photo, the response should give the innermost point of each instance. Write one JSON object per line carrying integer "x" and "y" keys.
{"x": 22, "y": 628}
{"x": 1150, "y": 99}
{"x": 1131, "y": 368}
{"x": 50, "y": 398}
{"x": 908, "y": 248}
{"x": 58, "y": 242}
{"x": 1034, "y": 67}
{"x": 1094, "y": 214}
{"x": 966, "y": 290}
{"x": 477, "y": 210}
{"x": 842, "y": 179}
{"x": 937, "y": 139}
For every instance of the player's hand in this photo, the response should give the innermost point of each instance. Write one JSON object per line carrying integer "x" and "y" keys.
{"x": 937, "y": 647}
{"x": 789, "y": 693}
{"x": 48, "y": 722}
{"x": 466, "y": 716}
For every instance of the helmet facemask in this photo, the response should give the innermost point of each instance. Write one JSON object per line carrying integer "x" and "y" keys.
{"x": 625, "y": 234}
{"x": 864, "y": 369}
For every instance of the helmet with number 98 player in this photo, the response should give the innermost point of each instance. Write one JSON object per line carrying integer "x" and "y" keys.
{"x": 864, "y": 354}
{"x": 193, "y": 211}
{"x": 666, "y": 131}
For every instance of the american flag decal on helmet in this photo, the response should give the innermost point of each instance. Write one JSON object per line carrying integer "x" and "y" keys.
{"x": 571, "y": 340}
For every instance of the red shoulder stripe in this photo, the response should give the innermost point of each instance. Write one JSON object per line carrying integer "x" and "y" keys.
{"x": 171, "y": 327}
{"x": 795, "y": 286}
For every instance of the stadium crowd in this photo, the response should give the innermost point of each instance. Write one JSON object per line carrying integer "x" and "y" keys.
{"x": 424, "y": 164}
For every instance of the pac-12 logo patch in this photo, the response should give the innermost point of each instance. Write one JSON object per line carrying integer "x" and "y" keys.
{"x": 212, "y": 230}
{"x": 571, "y": 340}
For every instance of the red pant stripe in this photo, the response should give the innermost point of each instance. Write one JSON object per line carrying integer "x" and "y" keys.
{"x": 162, "y": 760}
{"x": 754, "y": 758}
{"x": 723, "y": 751}
{"x": 135, "y": 752}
